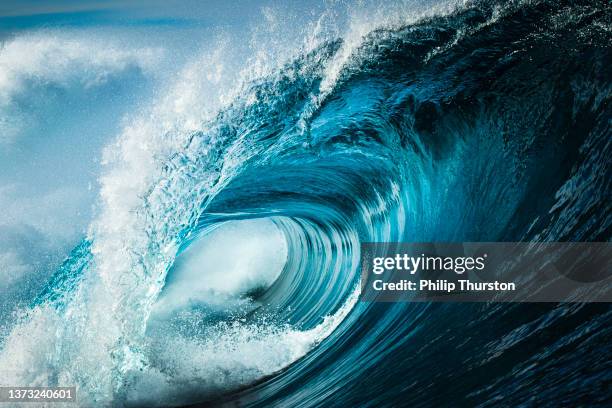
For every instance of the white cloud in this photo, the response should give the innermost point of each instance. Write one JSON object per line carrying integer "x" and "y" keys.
{"x": 53, "y": 214}
{"x": 12, "y": 267}
{"x": 41, "y": 59}
{"x": 37, "y": 230}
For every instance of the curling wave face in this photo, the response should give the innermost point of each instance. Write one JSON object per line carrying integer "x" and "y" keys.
{"x": 223, "y": 265}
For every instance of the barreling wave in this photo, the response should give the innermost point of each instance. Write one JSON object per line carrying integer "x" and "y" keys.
{"x": 223, "y": 265}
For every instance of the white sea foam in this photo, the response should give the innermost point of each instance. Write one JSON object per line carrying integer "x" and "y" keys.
{"x": 227, "y": 263}
{"x": 232, "y": 355}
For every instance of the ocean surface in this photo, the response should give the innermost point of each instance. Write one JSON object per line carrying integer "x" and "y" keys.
{"x": 222, "y": 265}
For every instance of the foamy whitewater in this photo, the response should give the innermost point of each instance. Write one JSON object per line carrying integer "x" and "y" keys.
{"x": 222, "y": 262}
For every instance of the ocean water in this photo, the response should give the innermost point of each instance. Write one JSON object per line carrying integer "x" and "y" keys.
{"x": 222, "y": 264}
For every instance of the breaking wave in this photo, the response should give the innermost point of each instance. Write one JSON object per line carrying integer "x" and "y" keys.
{"x": 223, "y": 265}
